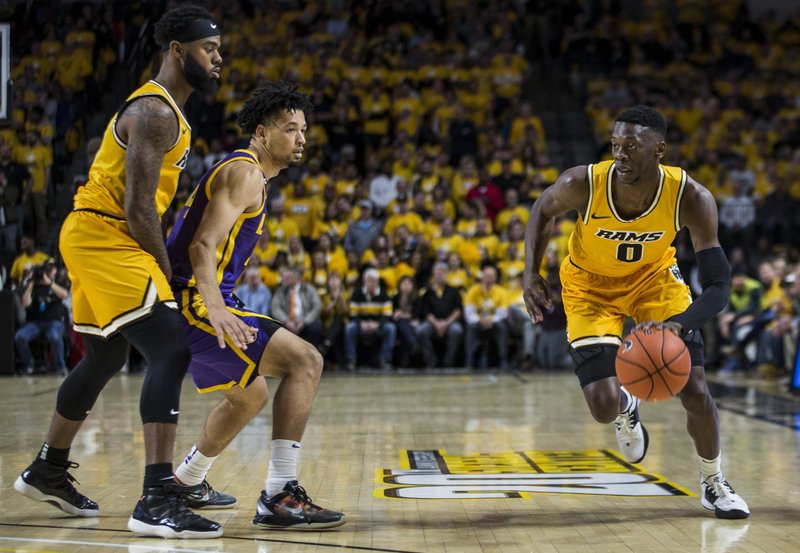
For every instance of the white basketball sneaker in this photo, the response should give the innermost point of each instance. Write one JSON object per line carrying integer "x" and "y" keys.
{"x": 718, "y": 496}
{"x": 631, "y": 434}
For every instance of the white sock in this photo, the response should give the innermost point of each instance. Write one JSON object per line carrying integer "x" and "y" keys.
{"x": 194, "y": 468}
{"x": 710, "y": 467}
{"x": 282, "y": 465}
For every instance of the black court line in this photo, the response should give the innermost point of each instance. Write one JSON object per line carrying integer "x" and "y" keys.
{"x": 45, "y": 391}
{"x": 740, "y": 399}
{"x": 517, "y": 376}
{"x": 239, "y": 538}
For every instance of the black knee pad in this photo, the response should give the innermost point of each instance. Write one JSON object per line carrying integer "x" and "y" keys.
{"x": 80, "y": 389}
{"x": 593, "y": 363}
{"x": 694, "y": 342}
{"x": 161, "y": 340}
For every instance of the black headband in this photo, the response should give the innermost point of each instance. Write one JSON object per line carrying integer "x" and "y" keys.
{"x": 197, "y": 29}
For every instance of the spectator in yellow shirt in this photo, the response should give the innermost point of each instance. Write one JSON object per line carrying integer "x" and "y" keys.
{"x": 296, "y": 255}
{"x": 281, "y": 228}
{"x": 457, "y": 275}
{"x": 39, "y": 160}
{"x": 526, "y": 118}
{"x": 484, "y": 240}
{"x": 316, "y": 179}
{"x": 448, "y": 240}
{"x": 30, "y": 257}
{"x": 304, "y": 210}
{"x": 485, "y": 314}
{"x": 511, "y": 210}
{"x": 406, "y": 217}
{"x": 427, "y": 179}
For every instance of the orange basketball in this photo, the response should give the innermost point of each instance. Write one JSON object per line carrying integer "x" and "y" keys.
{"x": 653, "y": 365}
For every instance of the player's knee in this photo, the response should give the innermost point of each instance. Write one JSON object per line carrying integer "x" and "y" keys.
{"x": 604, "y": 407}
{"x": 176, "y": 358}
{"x": 594, "y": 366}
{"x": 312, "y": 361}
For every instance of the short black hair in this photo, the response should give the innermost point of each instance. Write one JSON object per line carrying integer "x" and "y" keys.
{"x": 176, "y": 21}
{"x": 646, "y": 117}
{"x": 267, "y": 102}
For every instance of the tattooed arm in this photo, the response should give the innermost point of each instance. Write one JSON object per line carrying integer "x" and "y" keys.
{"x": 149, "y": 127}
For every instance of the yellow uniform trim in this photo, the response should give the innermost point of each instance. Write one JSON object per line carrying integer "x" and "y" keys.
{"x": 192, "y": 320}
{"x": 591, "y": 194}
{"x": 679, "y": 200}
{"x": 610, "y": 195}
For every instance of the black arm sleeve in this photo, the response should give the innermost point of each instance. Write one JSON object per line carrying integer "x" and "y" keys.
{"x": 714, "y": 272}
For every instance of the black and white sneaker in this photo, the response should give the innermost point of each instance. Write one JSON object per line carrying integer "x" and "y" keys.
{"x": 50, "y": 482}
{"x": 718, "y": 496}
{"x": 631, "y": 434}
{"x": 162, "y": 512}
{"x": 292, "y": 509}
{"x": 203, "y": 496}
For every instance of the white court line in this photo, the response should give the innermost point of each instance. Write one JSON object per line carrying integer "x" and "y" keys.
{"x": 131, "y": 547}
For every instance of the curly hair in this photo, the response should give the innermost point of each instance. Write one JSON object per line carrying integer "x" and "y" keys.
{"x": 266, "y": 103}
{"x": 646, "y": 117}
{"x": 175, "y": 21}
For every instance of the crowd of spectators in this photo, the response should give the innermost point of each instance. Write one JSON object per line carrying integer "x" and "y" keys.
{"x": 399, "y": 240}
{"x": 420, "y": 151}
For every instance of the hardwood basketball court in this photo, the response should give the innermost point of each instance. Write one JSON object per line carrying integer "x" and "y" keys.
{"x": 435, "y": 463}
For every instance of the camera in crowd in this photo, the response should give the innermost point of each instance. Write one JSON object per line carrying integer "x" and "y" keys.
{"x": 37, "y": 272}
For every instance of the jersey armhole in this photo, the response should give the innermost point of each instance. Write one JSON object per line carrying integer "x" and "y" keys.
{"x": 591, "y": 194}
{"x": 679, "y": 200}
{"x": 127, "y": 104}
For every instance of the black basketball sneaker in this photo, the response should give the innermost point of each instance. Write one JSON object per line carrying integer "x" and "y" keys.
{"x": 50, "y": 482}
{"x": 203, "y": 496}
{"x": 162, "y": 512}
{"x": 292, "y": 509}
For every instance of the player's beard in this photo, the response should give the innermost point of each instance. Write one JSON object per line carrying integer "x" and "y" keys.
{"x": 197, "y": 76}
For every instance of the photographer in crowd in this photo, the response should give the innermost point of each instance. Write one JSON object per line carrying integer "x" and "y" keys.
{"x": 45, "y": 313}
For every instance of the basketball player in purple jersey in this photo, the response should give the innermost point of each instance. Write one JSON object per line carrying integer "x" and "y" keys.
{"x": 209, "y": 247}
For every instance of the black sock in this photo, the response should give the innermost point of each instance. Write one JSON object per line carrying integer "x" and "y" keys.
{"x": 53, "y": 454}
{"x": 155, "y": 476}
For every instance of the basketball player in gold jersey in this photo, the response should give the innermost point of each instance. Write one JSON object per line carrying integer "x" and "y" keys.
{"x": 621, "y": 263}
{"x": 113, "y": 246}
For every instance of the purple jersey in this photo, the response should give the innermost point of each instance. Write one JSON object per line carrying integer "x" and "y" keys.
{"x": 234, "y": 252}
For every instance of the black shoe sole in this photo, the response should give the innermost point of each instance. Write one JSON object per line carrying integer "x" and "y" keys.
{"x": 302, "y": 526}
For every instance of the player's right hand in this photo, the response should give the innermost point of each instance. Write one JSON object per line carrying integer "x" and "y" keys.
{"x": 224, "y": 322}
{"x": 536, "y": 294}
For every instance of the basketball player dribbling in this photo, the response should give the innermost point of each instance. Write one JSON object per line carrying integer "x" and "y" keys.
{"x": 209, "y": 247}
{"x": 113, "y": 246}
{"x": 621, "y": 263}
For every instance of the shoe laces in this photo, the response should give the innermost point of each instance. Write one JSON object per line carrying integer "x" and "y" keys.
{"x": 626, "y": 422}
{"x": 720, "y": 487}
{"x": 299, "y": 494}
{"x": 63, "y": 480}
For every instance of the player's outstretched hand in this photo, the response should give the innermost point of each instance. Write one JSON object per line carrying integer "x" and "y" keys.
{"x": 224, "y": 322}
{"x": 673, "y": 327}
{"x": 537, "y": 296}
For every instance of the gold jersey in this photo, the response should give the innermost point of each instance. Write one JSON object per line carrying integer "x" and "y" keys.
{"x": 105, "y": 190}
{"x": 604, "y": 243}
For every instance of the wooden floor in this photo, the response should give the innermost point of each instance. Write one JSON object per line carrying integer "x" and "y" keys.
{"x": 455, "y": 463}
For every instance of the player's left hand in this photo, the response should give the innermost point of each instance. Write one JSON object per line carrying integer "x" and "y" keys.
{"x": 672, "y": 326}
